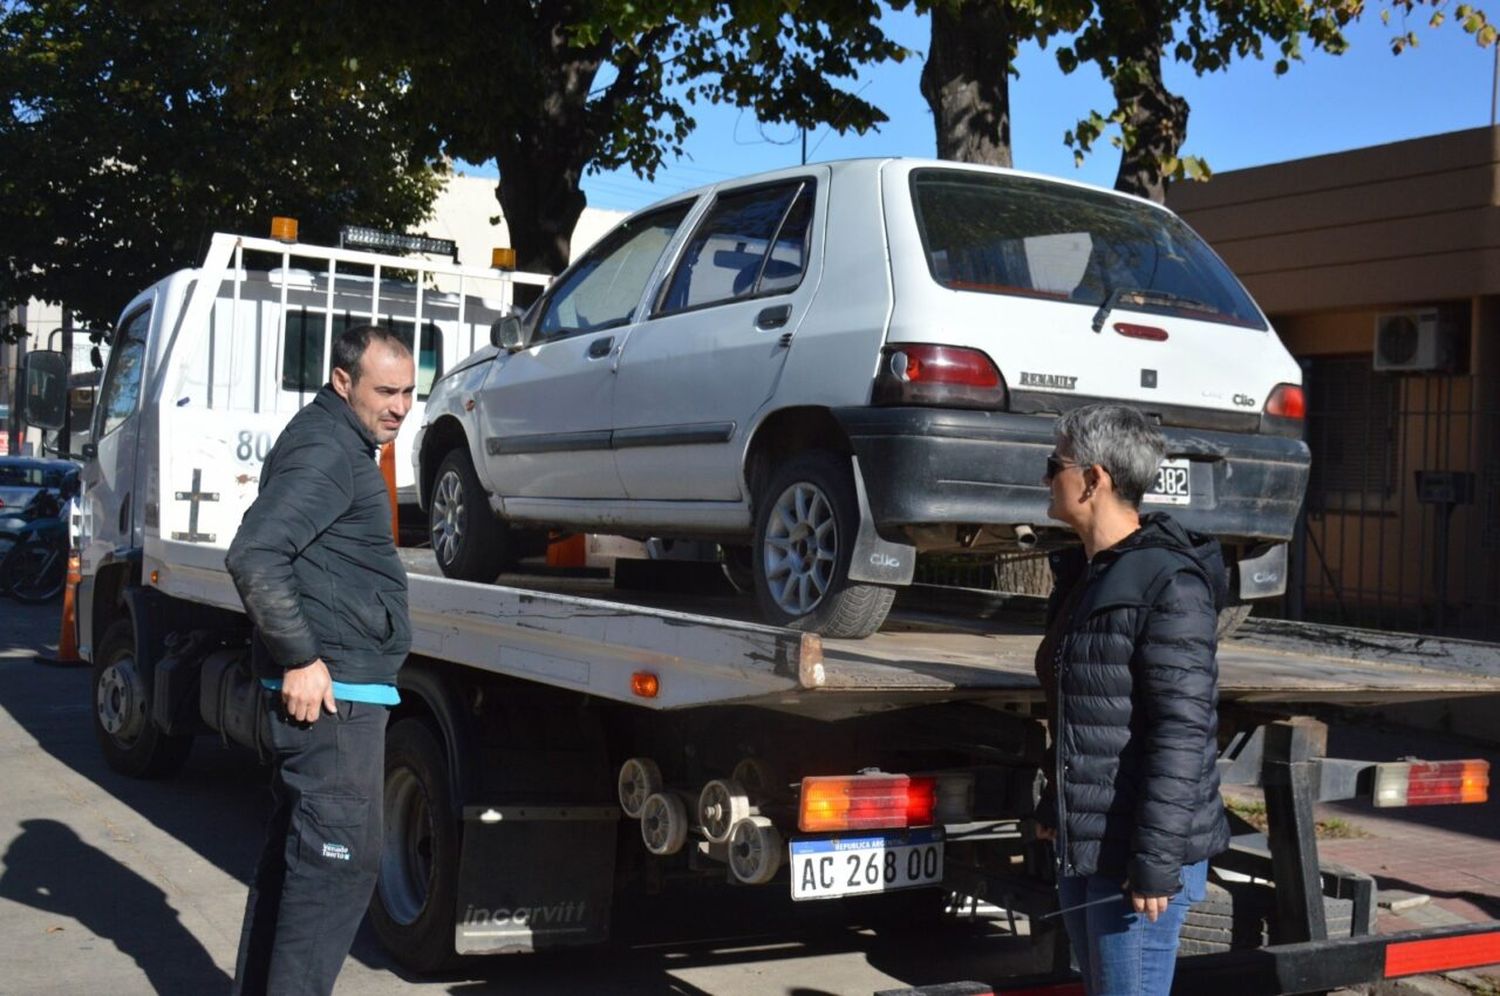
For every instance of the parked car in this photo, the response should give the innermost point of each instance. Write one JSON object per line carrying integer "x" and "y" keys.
{"x": 839, "y": 365}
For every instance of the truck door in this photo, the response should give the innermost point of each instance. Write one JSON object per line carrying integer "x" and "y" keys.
{"x": 546, "y": 408}
{"x": 111, "y": 487}
{"x": 692, "y": 378}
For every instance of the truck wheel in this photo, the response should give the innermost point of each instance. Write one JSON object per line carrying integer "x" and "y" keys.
{"x": 133, "y": 745}
{"x": 806, "y": 518}
{"x": 470, "y": 543}
{"x": 413, "y": 909}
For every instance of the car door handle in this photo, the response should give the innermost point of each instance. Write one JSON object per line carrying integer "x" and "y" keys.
{"x": 599, "y": 348}
{"x": 773, "y": 318}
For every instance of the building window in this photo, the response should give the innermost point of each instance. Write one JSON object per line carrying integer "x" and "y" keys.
{"x": 1351, "y": 430}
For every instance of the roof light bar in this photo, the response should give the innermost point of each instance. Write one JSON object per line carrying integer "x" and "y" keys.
{"x": 1431, "y": 783}
{"x": 364, "y": 237}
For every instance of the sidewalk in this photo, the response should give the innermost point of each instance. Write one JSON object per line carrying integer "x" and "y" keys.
{"x": 1448, "y": 853}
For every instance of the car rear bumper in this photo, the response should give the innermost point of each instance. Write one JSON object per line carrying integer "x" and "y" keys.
{"x": 926, "y": 466}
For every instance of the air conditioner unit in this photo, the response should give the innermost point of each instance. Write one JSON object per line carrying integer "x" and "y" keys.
{"x": 1412, "y": 342}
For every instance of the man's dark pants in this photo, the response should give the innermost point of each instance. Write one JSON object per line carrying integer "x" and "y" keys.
{"x": 322, "y": 853}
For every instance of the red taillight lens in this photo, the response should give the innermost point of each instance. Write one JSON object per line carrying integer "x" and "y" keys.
{"x": 1287, "y": 401}
{"x": 865, "y": 802}
{"x": 947, "y": 376}
{"x": 1431, "y": 783}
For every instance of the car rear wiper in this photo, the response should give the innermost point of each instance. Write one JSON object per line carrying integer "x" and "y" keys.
{"x": 1145, "y": 295}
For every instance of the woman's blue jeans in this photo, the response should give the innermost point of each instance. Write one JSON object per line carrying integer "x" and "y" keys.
{"x": 1119, "y": 951}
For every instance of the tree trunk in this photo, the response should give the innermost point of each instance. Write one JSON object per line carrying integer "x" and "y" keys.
{"x": 541, "y": 163}
{"x": 1156, "y": 119}
{"x": 966, "y": 80}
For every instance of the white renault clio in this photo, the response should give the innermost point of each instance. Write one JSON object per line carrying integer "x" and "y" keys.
{"x": 837, "y": 366}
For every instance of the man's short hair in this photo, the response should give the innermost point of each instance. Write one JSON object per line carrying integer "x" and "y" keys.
{"x": 1117, "y": 438}
{"x": 350, "y": 345}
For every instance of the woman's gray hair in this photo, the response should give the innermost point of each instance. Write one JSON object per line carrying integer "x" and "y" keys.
{"x": 1117, "y": 438}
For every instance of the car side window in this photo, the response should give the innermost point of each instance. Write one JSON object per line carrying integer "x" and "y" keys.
{"x": 602, "y": 290}
{"x": 127, "y": 363}
{"x": 754, "y": 242}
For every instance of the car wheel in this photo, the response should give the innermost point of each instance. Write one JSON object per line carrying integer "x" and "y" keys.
{"x": 413, "y": 908}
{"x": 132, "y": 744}
{"x": 806, "y": 518}
{"x": 470, "y": 543}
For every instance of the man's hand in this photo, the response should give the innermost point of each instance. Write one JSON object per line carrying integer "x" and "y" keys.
{"x": 306, "y": 689}
{"x": 1151, "y": 906}
{"x": 1045, "y": 832}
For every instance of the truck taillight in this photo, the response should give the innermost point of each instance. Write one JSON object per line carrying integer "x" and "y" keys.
{"x": 866, "y": 802}
{"x": 1287, "y": 401}
{"x": 1431, "y": 783}
{"x": 946, "y": 376}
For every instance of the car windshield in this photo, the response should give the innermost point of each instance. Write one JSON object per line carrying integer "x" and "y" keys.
{"x": 29, "y": 475}
{"x": 1001, "y": 234}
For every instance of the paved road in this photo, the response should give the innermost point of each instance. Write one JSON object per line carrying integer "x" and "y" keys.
{"x": 109, "y": 885}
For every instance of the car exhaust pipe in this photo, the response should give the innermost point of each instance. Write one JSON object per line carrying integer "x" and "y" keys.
{"x": 1025, "y": 537}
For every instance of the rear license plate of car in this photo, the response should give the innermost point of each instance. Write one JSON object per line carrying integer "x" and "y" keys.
{"x": 830, "y": 867}
{"x": 1173, "y": 484}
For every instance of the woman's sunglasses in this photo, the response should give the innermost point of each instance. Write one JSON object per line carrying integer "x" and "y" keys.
{"x": 1056, "y": 465}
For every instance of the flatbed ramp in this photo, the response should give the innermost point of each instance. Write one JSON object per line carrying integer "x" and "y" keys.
{"x": 586, "y": 634}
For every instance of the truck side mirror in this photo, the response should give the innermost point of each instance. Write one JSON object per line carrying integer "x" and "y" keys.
{"x": 44, "y": 389}
{"x": 507, "y": 333}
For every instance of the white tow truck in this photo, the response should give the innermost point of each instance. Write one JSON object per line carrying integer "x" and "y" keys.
{"x": 559, "y": 741}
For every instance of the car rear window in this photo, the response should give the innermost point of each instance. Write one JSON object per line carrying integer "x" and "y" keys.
{"x": 1016, "y": 235}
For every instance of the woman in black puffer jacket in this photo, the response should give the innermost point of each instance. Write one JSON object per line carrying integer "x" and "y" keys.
{"x": 1128, "y": 663}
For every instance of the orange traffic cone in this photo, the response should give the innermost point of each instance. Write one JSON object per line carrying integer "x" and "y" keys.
{"x": 67, "y": 637}
{"x": 568, "y": 551}
{"x": 388, "y": 471}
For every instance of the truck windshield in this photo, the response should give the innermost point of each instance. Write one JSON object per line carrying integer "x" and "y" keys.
{"x": 999, "y": 234}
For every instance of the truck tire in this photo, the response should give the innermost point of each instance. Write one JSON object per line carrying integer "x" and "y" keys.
{"x": 806, "y": 518}
{"x": 132, "y": 744}
{"x": 470, "y": 543}
{"x": 413, "y": 908}
{"x": 1236, "y": 915}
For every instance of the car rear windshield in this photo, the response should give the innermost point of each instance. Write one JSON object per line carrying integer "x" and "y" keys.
{"x": 1022, "y": 236}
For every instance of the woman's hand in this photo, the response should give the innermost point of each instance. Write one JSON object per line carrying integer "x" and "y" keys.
{"x": 1151, "y": 906}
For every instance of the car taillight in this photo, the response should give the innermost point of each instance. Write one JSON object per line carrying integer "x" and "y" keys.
{"x": 1287, "y": 401}
{"x": 866, "y": 802}
{"x": 1431, "y": 783}
{"x": 945, "y": 376}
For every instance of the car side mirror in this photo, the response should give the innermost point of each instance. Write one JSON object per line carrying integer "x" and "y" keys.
{"x": 508, "y": 333}
{"x": 43, "y": 388}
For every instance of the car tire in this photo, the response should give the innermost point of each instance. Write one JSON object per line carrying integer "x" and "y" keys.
{"x": 413, "y": 909}
{"x": 806, "y": 519}
{"x": 133, "y": 745}
{"x": 470, "y": 543}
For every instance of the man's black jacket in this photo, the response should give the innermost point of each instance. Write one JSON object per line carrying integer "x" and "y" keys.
{"x": 314, "y": 560}
{"x": 1132, "y": 678}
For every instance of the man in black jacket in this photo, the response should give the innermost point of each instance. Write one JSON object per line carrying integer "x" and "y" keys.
{"x": 1130, "y": 671}
{"x": 316, "y": 566}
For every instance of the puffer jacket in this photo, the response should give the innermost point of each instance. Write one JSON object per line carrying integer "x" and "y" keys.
{"x": 314, "y": 560}
{"x": 1132, "y": 679}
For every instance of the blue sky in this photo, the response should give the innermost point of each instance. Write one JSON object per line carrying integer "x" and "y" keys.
{"x": 1246, "y": 116}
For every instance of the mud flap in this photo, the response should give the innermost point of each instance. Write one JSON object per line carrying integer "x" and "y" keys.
{"x": 1263, "y": 572}
{"x": 535, "y": 877}
{"x": 876, "y": 560}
